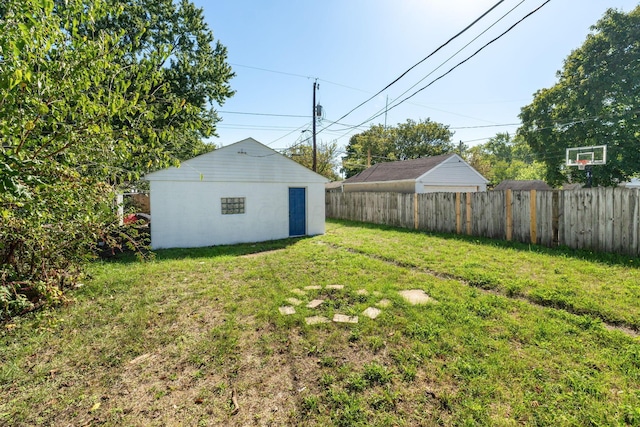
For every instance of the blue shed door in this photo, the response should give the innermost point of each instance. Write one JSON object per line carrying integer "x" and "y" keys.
{"x": 297, "y": 212}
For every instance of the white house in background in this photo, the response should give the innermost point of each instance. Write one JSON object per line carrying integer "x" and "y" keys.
{"x": 634, "y": 183}
{"x": 243, "y": 192}
{"x": 445, "y": 173}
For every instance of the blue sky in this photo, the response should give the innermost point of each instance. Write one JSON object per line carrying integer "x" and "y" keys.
{"x": 355, "y": 48}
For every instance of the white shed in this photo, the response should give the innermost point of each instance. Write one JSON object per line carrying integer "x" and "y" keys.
{"x": 445, "y": 173}
{"x": 243, "y": 192}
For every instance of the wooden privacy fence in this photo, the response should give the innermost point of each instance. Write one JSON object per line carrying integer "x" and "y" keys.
{"x": 600, "y": 219}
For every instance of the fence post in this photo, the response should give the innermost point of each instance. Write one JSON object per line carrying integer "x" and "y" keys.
{"x": 533, "y": 226}
{"x": 458, "y": 215}
{"x": 415, "y": 211}
{"x": 509, "y": 215}
{"x": 555, "y": 218}
{"x": 469, "y": 214}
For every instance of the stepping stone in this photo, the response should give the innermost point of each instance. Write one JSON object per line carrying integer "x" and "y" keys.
{"x": 313, "y": 288}
{"x": 362, "y": 292}
{"x": 298, "y": 292}
{"x": 343, "y": 318}
{"x": 285, "y": 311}
{"x": 416, "y": 296}
{"x": 377, "y": 293}
{"x": 335, "y": 286}
{"x": 294, "y": 301}
{"x": 315, "y": 303}
{"x": 314, "y": 320}
{"x": 384, "y": 303}
{"x": 372, "y": 312}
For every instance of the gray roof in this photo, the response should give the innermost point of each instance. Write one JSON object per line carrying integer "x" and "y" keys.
{"x": 398, "y": 171}
{"x": 531, "y": 184}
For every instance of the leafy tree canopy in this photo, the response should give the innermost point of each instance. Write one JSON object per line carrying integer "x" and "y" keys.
{"x": 408, "y": 140}
{"x": 326, "y": 157}
{"x": 503, "y": 157}
{"x": 171, "y": 36}
{"x": 596, "y": 101}
{"x": 84, "y": 104}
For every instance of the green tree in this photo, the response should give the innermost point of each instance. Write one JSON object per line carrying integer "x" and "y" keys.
{"x": 367, "y": 148}
{"x": 326, "y": 157}
{"x": 408, "y": 140}
{"x": 503, "y": 157}
{"x": 596, "y": 101}
{"x": 422, "y": 139}
{"x": 76, "y": 104}
{"x": 173, "y": 37}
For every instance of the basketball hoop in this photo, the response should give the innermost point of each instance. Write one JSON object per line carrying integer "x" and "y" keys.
{"x": 582, "y": 164}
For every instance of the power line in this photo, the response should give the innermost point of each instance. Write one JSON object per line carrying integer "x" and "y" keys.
{"x": 257, "y": 127}
{"x": 485, "y": 126}
{"x": 422, "y": 60}
{"x": 471, "y": 56}
{"x": 263, "y": 114}
{"x": 386, "y": 108}
{"x": 299, "y": 75}
{"x": 373, "y": 96}
{"x": 457, "y": 65}
{"x": 272, "y": 71}
{"x": 286, "y": 135}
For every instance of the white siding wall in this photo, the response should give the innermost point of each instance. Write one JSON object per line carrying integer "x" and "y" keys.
{"x": 188, "y": 214}
{"x": 451, "y": 175}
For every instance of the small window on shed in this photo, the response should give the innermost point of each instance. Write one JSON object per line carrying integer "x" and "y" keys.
{"x": 232, "y": 205}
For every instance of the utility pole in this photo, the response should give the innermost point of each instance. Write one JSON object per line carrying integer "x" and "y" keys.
{"x": 313, "y": 118}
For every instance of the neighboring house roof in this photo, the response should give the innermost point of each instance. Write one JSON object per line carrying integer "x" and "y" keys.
{"x": 405, "y": 170}
{"x": 244, "y": 161}
{"x": 530, "y": 184}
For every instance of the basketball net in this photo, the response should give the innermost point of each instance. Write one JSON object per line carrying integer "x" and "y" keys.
{"x": 582, "y": 164}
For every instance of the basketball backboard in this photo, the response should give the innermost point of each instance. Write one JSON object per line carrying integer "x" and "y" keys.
{"x": 587, "y": 156}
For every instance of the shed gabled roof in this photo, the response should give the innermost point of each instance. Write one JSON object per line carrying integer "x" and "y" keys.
{"x": 530, "y": 184}
{"x": 244, "y": 161}
{"x": 407, "y": 170}
{"x": 398, "y": 171}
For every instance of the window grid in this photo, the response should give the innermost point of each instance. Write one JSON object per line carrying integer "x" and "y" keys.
{"x": 232, "y": 205}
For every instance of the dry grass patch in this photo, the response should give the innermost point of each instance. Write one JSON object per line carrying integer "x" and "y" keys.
{"x": 195, "y": 338}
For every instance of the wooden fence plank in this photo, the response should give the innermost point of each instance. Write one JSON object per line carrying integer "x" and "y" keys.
{"x": 634, "y": 250}
{"x": 533, "y": 223}
{"x": 617, "y": 221}
{"x": 468, "y": 216}
{"x": 509, "y": 209}
{"x": 458, "y": 214}
{"x": 603, "y": 219}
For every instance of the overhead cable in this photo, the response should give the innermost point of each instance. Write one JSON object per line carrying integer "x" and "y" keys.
{"x": 262, "y": 114}
{"x": 385, "y": 110}
{"x": 423, "y": 59}
{"x": 466, "y": 59}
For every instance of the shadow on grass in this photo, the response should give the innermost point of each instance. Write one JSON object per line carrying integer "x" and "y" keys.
{"x": 207, "y": 252}
{"x": 581, "y": 254}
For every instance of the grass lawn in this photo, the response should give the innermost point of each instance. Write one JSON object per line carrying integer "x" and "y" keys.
{"x": 516, "y": 336}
